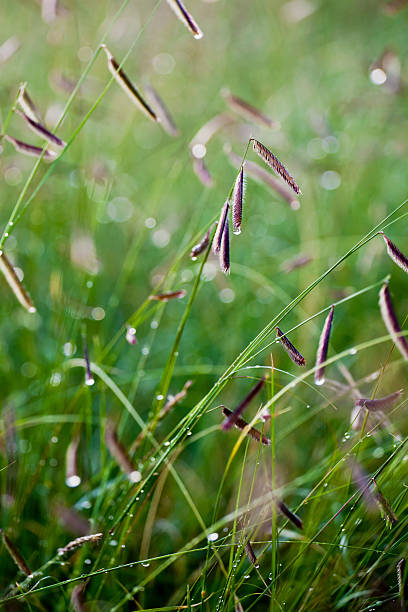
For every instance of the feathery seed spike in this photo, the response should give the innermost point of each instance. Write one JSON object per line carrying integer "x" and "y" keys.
{"x": 15, "y": 283}
{"x": 216, "y": 244}
{"x": 225, "y": 249}
{"x": 391, "y": 322}
{"x": 293, "y": 353}
{"x": 380, "y": 403}
{"x": 31, "y": 150}
{"x": 39, "y": 129}
{"x": 74, "y": 544}
{"x": 237, "y": 201}
{"x": 401, "y": 582}
{"x": 395, "y": 254}
{"x": 322, "y": 349}
{"x": 241, "y": 424}
{"x": 175, "y": 399}
{"x": 230, "y": 421}
{"x": 385, "y": 506}
{"x": 127, "y": 86}
{"x": 261, "y": 175}
{"x": 185, "y": 17}
{"x": 274, "y": 163}
{"x": 201, "y": 246}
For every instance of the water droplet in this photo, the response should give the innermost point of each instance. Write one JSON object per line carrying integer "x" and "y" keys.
{"x": 212, "y": 537}
{"x": 145, "y": 564}
{"x": 73, "y": 481}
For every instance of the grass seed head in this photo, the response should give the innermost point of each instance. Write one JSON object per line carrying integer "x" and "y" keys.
{"x": 323, "y": 347}
{"x": 30, "y": 150}
{"x": 395, "y": 254}
{"x": 128, "y": 87}
{"x": 274, "y": 163}
{"x": 185, "y": 17}
{"x": 391, "y": 322}
{"x": 293, "y": 353}
{"x": 237, "y": 201}
{"x": 42, "y": 131}
{"x": 15, "y": 284}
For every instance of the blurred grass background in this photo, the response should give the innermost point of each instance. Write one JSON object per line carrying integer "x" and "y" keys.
{"x": 131, "y": 190}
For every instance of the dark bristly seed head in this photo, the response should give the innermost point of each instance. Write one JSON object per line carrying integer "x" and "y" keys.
{"x": 289, "y": 514}
{"x": 126, "y": 84}
{"x": 261, "y": 175}
{"x": 274, "y": 163}
{"x": 216, "y": 243}
{"x": 230, "y": 421}
{"x": 323, "y": 347}
{"x": 201, "y": 246}
{"x": 185, "y": 17}
{"x": 293, "y": 353}
{"x": 400, "y": 578}
{"x": 31, "y": 150}
{"x": 14, "y": 554}
{"x": 381, "y": 403}
{"x": 237, "y": 201}
{"x": 27, "y": 104}
{"x": 42, "y": 131}
{"x": 241, "y": 424}
{"x": 385, "y": 506}
{"x": 391, "y": 322}
{"x": 225, "y": 249}
{"x": 250, "y": 553}
{"x": 395, "y": 254}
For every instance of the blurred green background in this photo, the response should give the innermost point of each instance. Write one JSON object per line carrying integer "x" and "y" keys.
{"x": 127, "y": 193}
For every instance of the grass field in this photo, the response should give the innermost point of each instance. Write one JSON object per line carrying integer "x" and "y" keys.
{"x": 112, "y": 220}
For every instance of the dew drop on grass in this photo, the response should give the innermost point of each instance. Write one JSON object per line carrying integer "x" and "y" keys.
{"x": 212, "y": 537}
{"x": 113, "y": 543}
{"x": 73, "y": 481}
{"x": 145, "y": 564}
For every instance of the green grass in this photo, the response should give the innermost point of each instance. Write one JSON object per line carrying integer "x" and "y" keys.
{"x": 131, "y": 188}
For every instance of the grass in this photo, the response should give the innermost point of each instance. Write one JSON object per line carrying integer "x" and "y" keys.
{"x": 176, "y": 539}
